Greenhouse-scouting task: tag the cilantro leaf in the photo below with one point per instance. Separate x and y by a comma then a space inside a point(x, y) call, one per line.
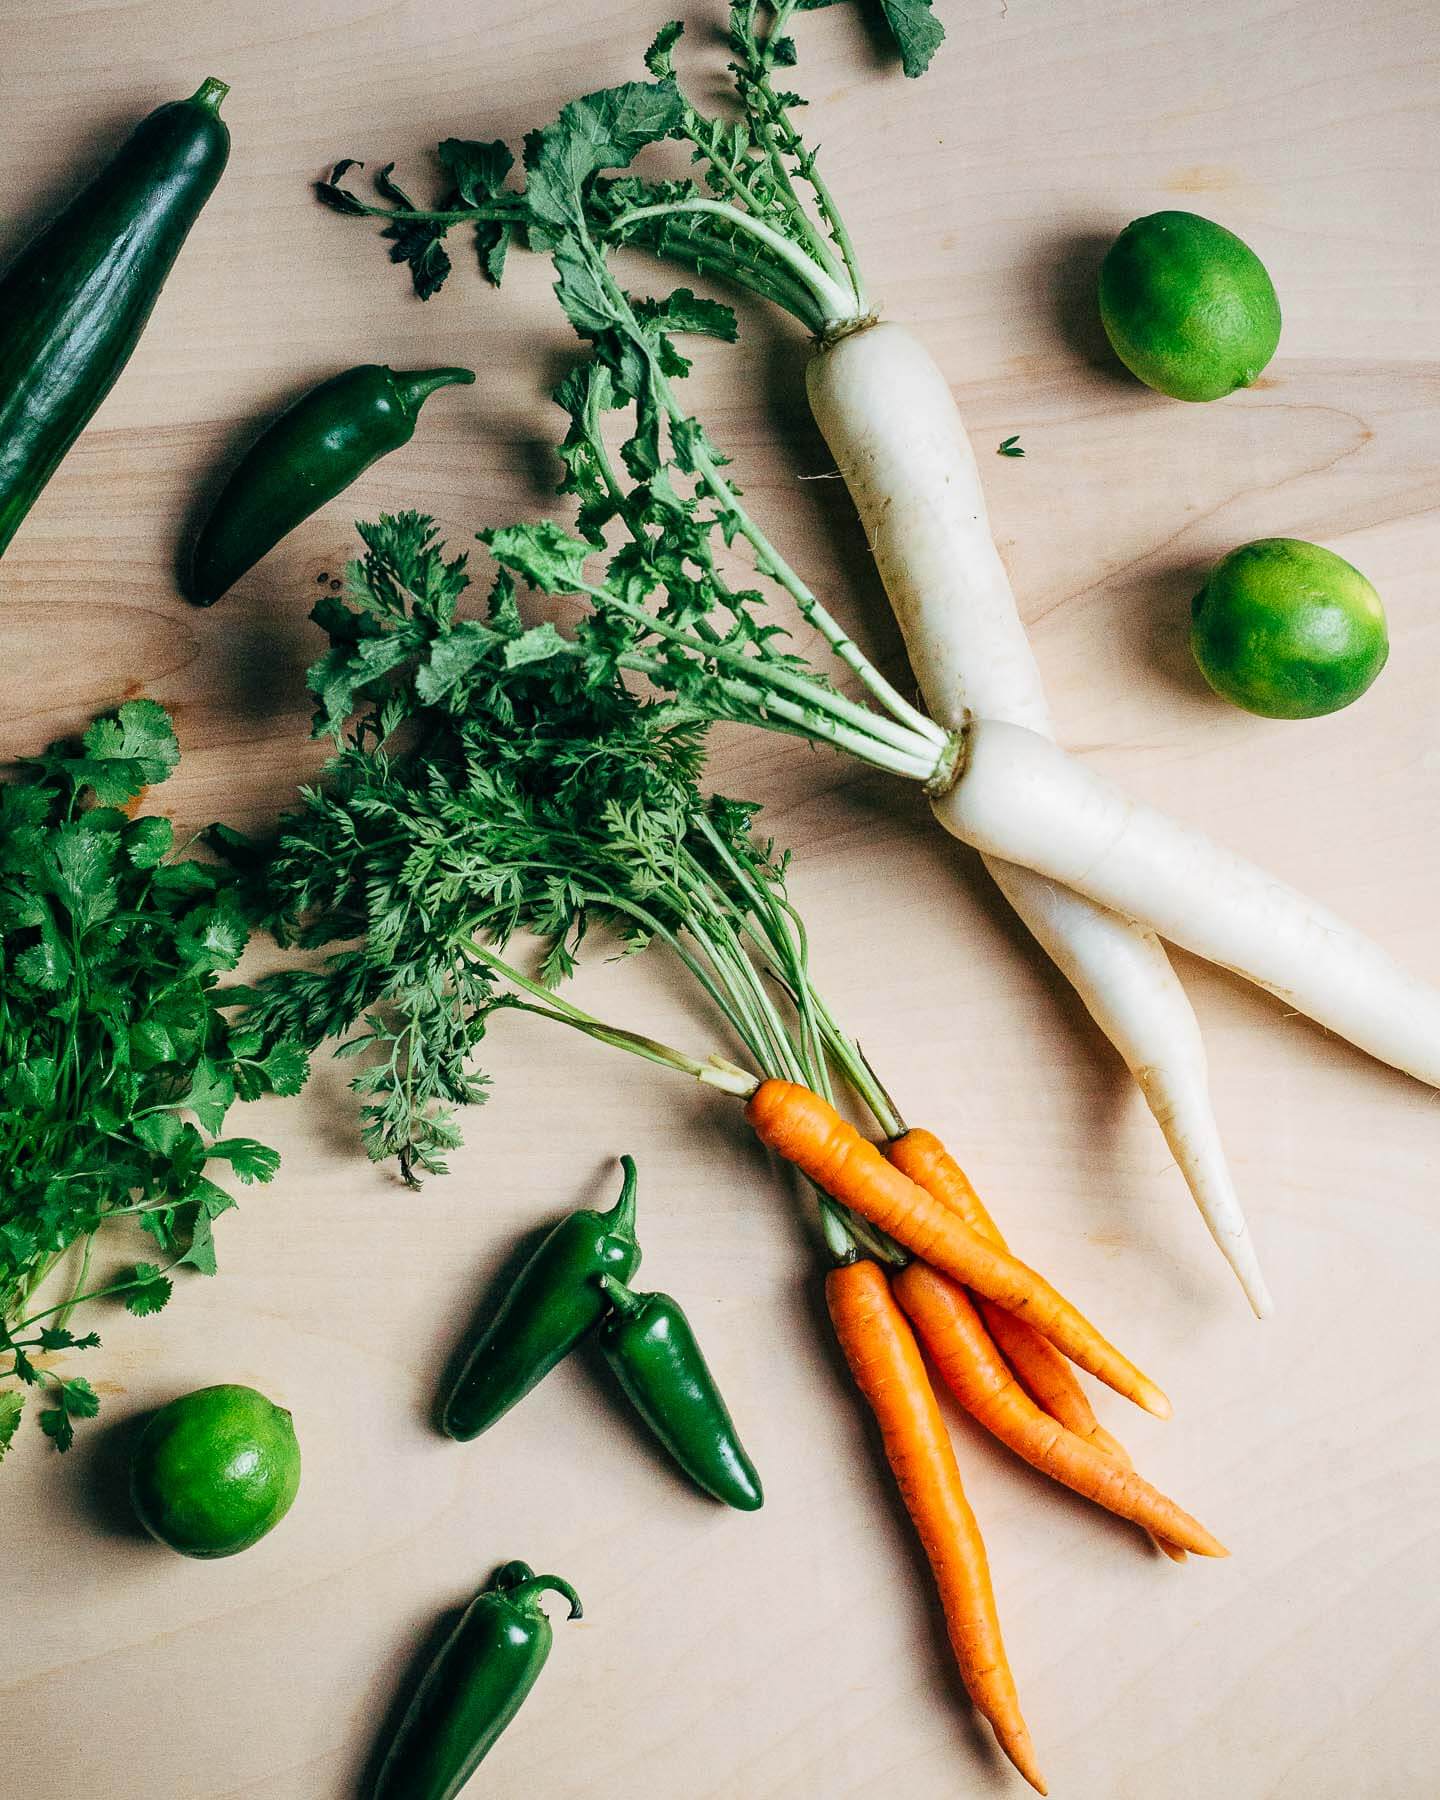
point(112, 1027)
point(125, 754)
point(200, 1252)
point(12, 1406)
point(212, 937)
point(209, 1094)
point(250, 1161)
point(149, 841)
point(81, 1400)
point(76, 1400)
point(150, 1292)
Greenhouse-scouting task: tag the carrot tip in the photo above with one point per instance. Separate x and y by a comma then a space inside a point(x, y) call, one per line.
point(1154, 1402)
point(1021, 1752)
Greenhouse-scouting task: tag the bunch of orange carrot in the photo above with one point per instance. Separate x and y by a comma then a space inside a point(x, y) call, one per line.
point(1004, 1348)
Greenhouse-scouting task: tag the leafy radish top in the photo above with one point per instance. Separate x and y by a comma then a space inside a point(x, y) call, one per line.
point(671, 609)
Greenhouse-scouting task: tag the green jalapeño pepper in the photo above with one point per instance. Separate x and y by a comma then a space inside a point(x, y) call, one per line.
point(556, 1299)
point(650, 1345)
point(313, 452)
point(474, 1688)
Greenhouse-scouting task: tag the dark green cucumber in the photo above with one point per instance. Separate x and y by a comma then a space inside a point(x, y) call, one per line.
point(76, 300)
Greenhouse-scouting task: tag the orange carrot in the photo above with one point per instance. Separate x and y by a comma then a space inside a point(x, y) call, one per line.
point(976, 1373)
point(1050, 1382)
point(920, 1155)
point(1039, 1367)
point(808, 1132)
point(885, 1361)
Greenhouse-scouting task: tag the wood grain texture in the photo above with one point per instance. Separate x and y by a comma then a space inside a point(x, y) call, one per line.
point(796, 1654)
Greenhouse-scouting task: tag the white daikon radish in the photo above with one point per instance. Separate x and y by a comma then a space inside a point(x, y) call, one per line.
point(1022, 798)
point(890, 421)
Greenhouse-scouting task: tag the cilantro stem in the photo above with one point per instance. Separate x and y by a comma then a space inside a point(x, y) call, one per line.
point(80, 1279)
point(100, 1293)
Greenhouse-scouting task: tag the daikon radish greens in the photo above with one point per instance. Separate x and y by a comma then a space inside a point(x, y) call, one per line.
point(682, 578)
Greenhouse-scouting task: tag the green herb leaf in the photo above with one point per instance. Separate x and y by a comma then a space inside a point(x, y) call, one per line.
point(12, 1406)
point(125, 754)
point(209, 1094)
point(151, 1290)
point(542, 554)
point(200, 1253)
point(111, 1027)
point(606, 130)
point(76, 1400)
point(917, 32)
point(338, 198)
point(149, 841)
point(477, 171)
point(250, 1161)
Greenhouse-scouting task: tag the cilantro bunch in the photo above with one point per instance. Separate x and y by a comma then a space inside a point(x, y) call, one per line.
point(117, 1064)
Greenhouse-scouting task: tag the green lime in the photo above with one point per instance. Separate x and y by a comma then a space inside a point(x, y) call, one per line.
point(1288, 630)
point(1188, 307)
point(215, 1470)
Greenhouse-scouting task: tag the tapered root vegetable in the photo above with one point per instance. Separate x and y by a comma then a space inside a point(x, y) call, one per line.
point(1022, 798)
point(1044, 1374)
point(887, 413)
point(976, 1373)
point(807, 1131)
point(1050, 1382)
point(885, 1361)
point(1123, 975)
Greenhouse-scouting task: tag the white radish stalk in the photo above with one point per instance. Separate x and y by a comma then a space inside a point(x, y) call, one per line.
point(888, 416)
point(1021, 797)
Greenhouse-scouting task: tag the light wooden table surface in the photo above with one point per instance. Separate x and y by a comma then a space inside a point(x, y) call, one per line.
point(795, 1654)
